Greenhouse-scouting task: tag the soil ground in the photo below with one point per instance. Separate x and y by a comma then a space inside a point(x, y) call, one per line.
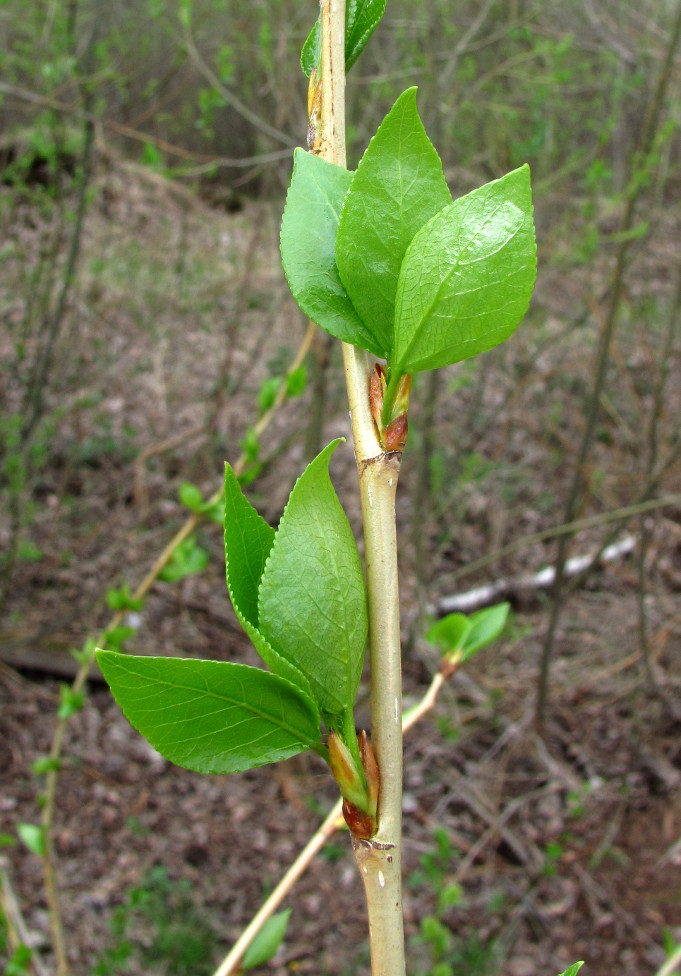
point(565, 846)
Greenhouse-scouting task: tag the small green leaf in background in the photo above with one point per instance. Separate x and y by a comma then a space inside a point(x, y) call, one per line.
point(308, 248)
point(312, 605)
point(122, 599)
point(86, 653)
point(33, 837)
point(190, 496)
point(467, 276)
point(296, 381)
point(215, 511)
point(45, 764)
point(264, 946)
point(211, 716)
point(115, 637)
point(573, 970)
point(187, 558)
point(465, 635)
point(70, 701)
point(399, 185)
point(486, 626)
point(6, 840)
point(268, 394)
point(20, 962)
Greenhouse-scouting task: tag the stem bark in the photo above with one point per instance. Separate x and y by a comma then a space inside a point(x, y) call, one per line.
point(378, 859)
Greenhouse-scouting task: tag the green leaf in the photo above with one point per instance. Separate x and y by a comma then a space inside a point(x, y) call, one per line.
point(248, 543)
point(312, 50)
point(485, 626)
point(70, 701)
point(45, 764)
point(312, 605)
point(468, 634)
point(187, 558)
point(211, 716)
point(190, 496)
point(6, 840)
point(33, 837)
point(296, 381)
point(268, 394)
point(361, 19)
point(264, 946)
point(573, 970)
point(308, 246)
point(467, 277)
point(19, 962)
point(122, 599)
point(399, 185)
point(449, 633)
point(116, 637)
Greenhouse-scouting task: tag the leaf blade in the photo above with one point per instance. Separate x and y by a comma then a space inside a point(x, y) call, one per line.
point(248, 542)
point(399, 185)
point(312, 599)
point(467, 276)
point(211, 716)
point(308, 247)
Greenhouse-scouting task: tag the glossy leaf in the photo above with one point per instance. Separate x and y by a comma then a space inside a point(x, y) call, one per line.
point(467, 276)
point(573, 970)
point(312, 601)
point(265, 944)
point(248, 542)
point(211, 716)
point(361, 19)
point(399, 185)
point(308, 247)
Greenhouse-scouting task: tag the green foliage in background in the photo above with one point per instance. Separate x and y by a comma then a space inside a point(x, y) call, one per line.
point(159, 923)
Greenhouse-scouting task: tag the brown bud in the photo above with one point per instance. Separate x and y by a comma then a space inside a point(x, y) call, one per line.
point(370, 771)
point(395, 434)
point(362, 825)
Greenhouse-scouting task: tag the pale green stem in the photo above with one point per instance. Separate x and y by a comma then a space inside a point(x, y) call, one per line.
point(379, 859)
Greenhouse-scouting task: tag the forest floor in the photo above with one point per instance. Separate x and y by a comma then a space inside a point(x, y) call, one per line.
point(565, 846)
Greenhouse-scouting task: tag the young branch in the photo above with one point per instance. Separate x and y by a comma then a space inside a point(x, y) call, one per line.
point(334, 821)
point(378, 859)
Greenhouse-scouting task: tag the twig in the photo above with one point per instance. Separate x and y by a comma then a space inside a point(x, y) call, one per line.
point(543, 578)
point(567, 528)
point(17, 930)
point(334, 821)
point(671, 964)
point(577, 486)
point(52, 778)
